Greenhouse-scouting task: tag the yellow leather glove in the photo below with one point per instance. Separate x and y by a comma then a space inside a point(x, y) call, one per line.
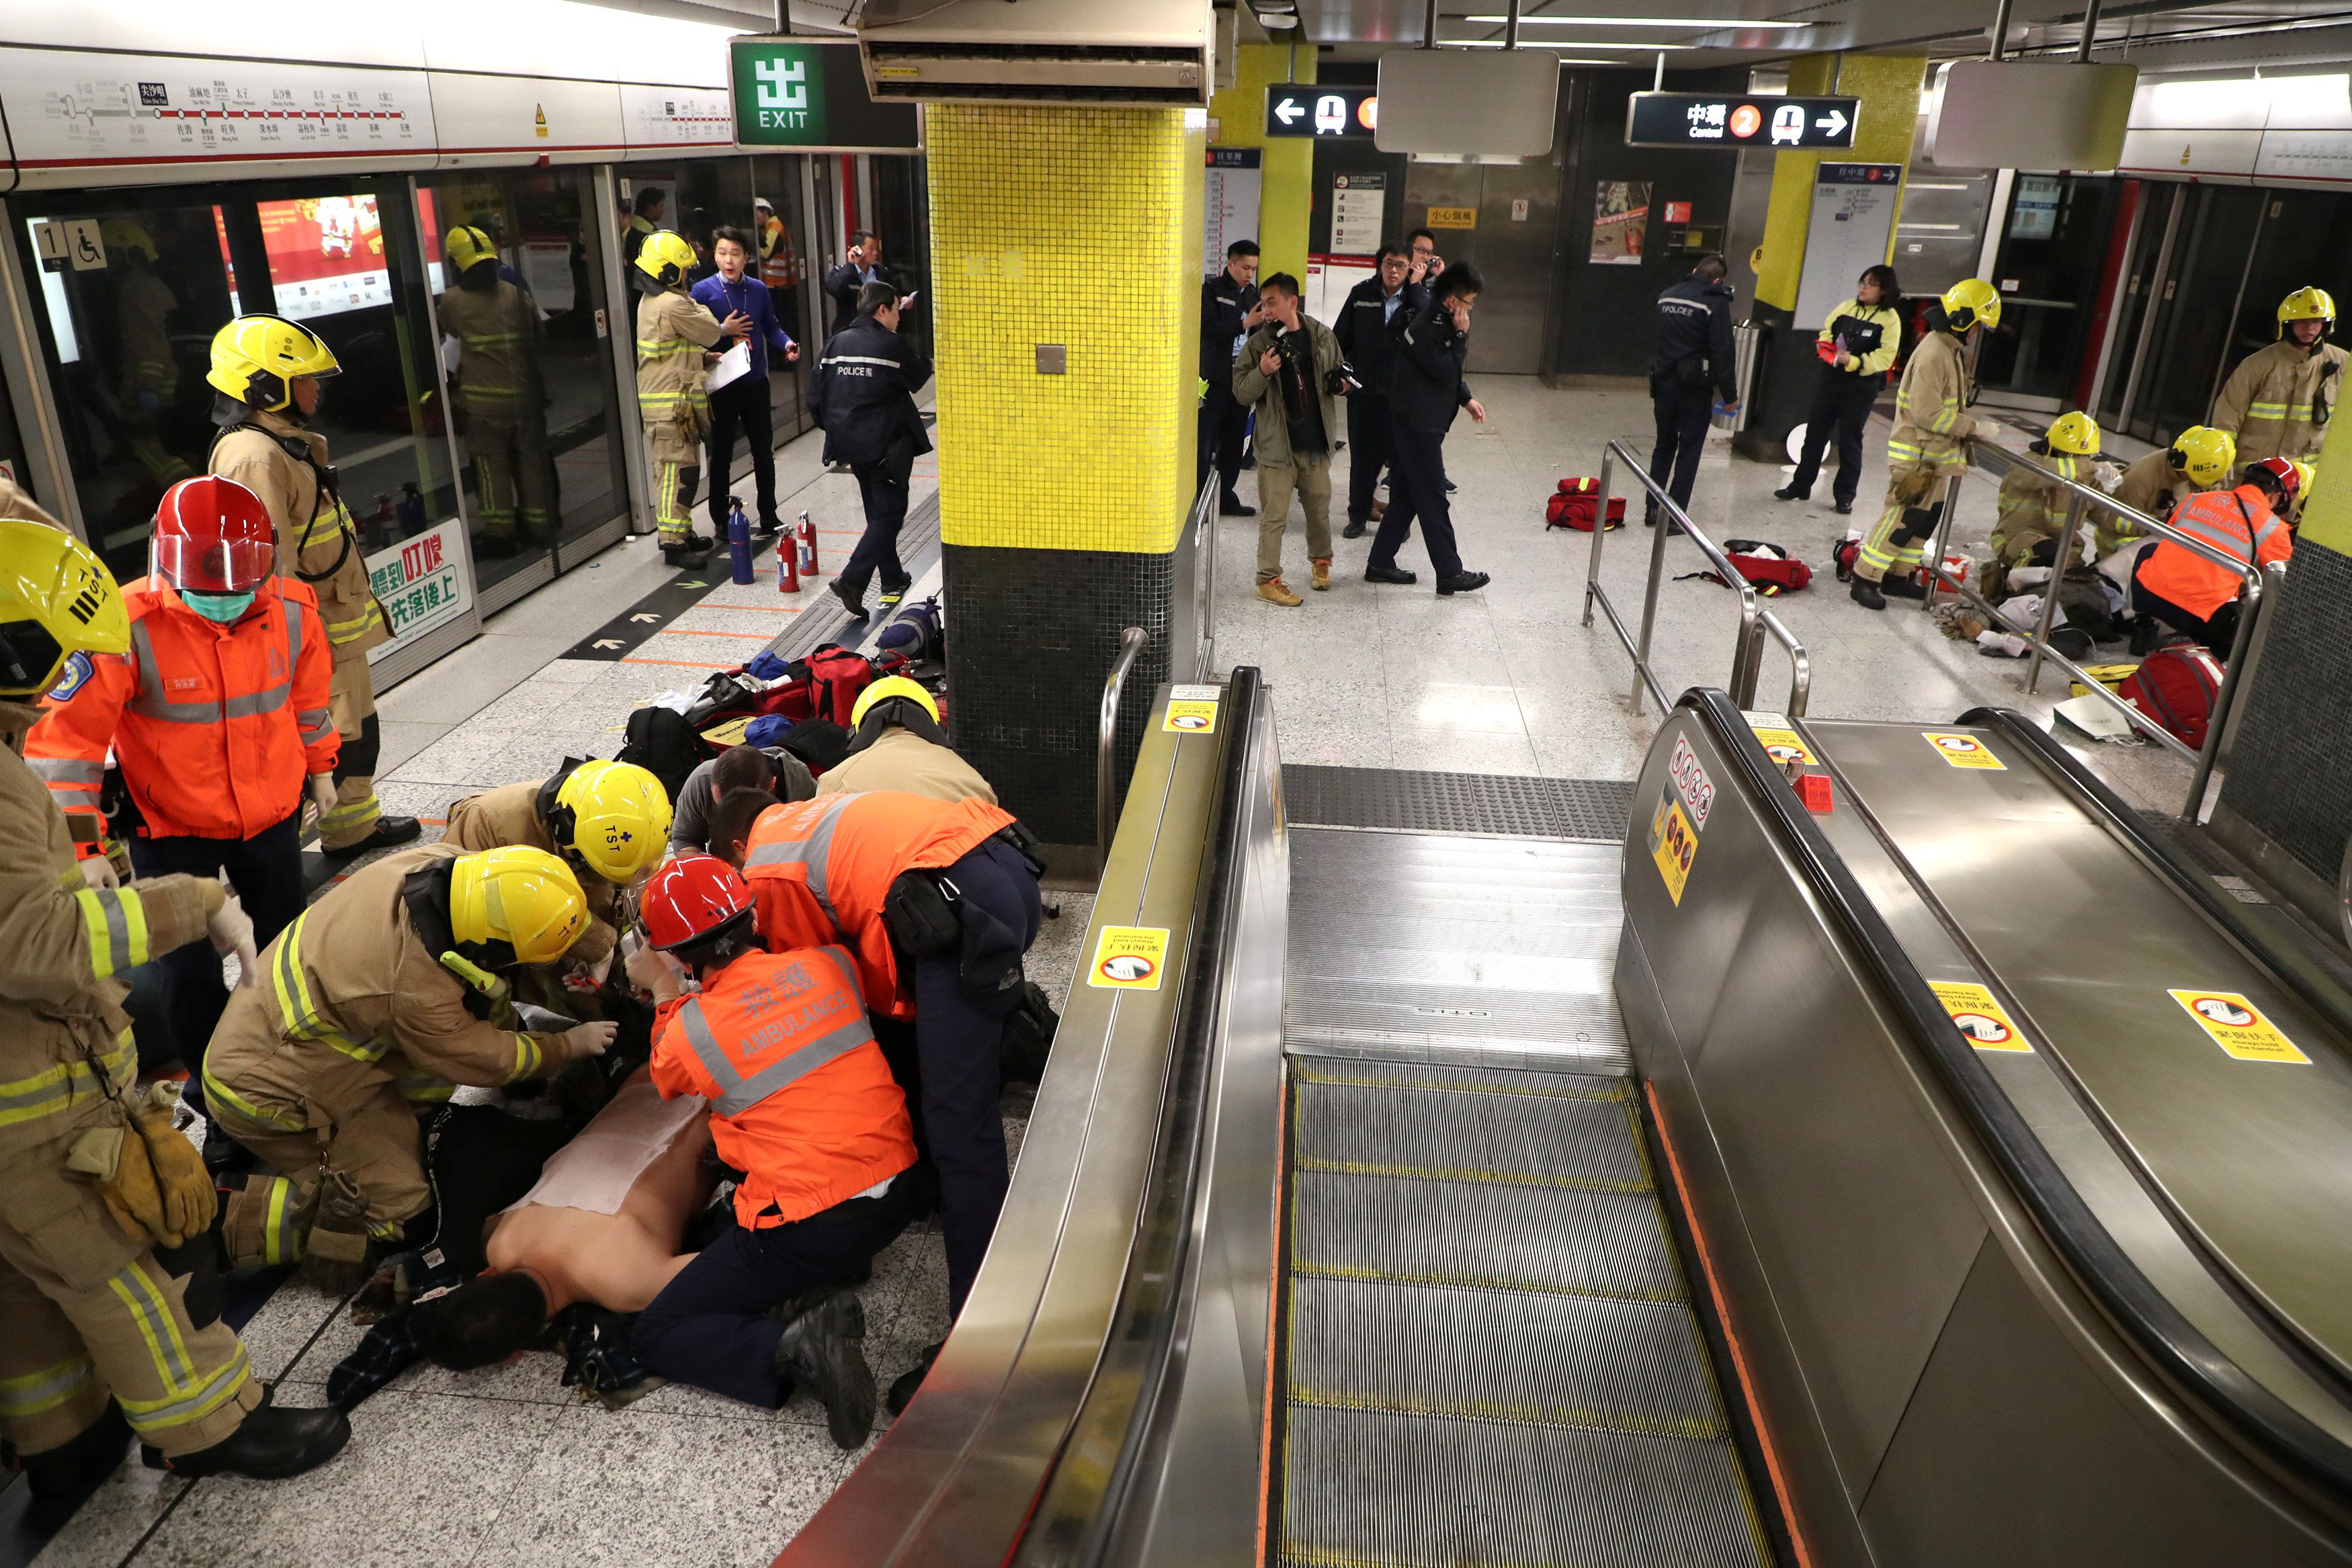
point(184, 1188)
point(130, 1194)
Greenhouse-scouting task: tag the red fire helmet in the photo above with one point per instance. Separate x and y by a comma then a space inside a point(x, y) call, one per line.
point(214, 535)
point(691, 898)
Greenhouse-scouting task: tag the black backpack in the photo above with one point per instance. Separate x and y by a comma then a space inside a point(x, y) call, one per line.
point(660, 741)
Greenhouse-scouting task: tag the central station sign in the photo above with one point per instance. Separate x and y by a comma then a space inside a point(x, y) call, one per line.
point(1713, 119)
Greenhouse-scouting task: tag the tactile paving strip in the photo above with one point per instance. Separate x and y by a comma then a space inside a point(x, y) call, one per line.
point(1498, 805)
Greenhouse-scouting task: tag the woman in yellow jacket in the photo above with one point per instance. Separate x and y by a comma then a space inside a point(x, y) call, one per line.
point(1858, 345)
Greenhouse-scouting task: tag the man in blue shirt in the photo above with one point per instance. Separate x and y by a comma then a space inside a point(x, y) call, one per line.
point(743, 403)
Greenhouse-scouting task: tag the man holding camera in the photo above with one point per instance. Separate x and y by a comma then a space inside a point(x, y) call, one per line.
point(1291, 370)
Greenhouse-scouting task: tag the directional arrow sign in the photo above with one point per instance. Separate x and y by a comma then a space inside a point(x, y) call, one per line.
point(690, 585)
point(610, 643)
point(1834, 121)
point(1733, 120)
point(1325, 113)
point(1289, 110)
point(642, 616)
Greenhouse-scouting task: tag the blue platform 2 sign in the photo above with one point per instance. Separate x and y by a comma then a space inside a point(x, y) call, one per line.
point(1731, 119)
point(1325, 113)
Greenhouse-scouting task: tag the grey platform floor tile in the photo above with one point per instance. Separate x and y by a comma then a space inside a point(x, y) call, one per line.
point(424, 1475)
point(400, 740)
point(106, 1528)
point(686, 1492)
point(294, 1316)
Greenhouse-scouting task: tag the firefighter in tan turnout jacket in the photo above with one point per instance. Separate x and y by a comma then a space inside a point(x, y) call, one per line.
point(1928, 445)
point(109, 1316)
point(385, 995)
point(675, 336)
point(266, 371)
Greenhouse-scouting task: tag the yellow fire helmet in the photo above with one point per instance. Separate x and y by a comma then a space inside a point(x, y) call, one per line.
point(2077, 432)
point(614, 816)
point(467, 247)
point(667, 258)
point(1971, 302)
point(2307, 475)
point(56, 600)
point(2204, 454)
point(887, 688)
point(257, 357)
point(523, 897)
point(128, 235)
point(2308, 305)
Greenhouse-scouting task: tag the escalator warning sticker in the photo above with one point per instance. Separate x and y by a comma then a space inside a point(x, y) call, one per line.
point(1129, 958)
point(1979, 1017)
point(1191, 710)
point(1674, 844)
point(1964, 750)
point(2238, 1026)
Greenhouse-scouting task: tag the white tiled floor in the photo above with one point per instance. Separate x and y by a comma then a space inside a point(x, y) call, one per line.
point(1508, 681)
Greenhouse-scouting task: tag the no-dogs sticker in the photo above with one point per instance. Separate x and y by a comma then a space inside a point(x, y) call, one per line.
point(2238, 1027)
point(1978, 1017)
point(1129, 958)
point(1963, 750)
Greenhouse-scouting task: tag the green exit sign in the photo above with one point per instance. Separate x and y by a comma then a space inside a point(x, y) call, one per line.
point(810, 95)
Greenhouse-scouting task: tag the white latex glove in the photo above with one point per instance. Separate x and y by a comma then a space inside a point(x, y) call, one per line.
point(650, 970)
point(321, 793)
point(98, 872)
point(1986, 430)
point(588, 1038)
point(231, 930)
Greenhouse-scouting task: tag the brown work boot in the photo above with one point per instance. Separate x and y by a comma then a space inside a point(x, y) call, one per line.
point(1273, 590)
point(1322, 575)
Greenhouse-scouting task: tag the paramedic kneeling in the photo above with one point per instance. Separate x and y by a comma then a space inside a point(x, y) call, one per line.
point(2197, 597)
point(804, 1106)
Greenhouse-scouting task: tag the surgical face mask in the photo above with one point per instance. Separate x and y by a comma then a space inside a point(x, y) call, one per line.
point(221, 609)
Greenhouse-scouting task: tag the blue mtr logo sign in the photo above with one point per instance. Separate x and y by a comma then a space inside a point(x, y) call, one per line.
point(779, 95)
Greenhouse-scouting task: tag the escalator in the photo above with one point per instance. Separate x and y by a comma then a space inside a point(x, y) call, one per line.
point(1931, 1164)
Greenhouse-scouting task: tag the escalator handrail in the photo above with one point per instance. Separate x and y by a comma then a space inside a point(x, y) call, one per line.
point(2291, 955)
point(2176, 1346)
point(1074, 1519)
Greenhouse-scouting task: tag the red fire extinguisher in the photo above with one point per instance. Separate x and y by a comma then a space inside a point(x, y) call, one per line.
point(806, 537)
point(788, 566)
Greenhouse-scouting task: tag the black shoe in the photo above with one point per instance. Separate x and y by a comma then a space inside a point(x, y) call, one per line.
point(692, 552)
point(1904, 587)
point(1353, 531)
point(77, 1465)
point(1463, 582)
point(495, 546)
point(1649, 517)
point(1865, 593)
point(1790, 493)
point(1844, 509)
point(767, 527)
point(2144, 633)
point(820, 1352)
point(893, 594)
point(903, 1386)
point(1450, 487)
point(1390, 574)
point(389, 830)
point(268, 1445)
point(1233, 507)
point(850, 597)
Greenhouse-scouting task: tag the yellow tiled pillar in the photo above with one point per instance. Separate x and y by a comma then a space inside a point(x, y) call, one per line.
point(1286, 166)
point(1066, 267)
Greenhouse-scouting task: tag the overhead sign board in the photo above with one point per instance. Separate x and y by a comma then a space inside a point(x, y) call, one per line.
point(1328, 113)
point(802, 94)
point(1716, 119)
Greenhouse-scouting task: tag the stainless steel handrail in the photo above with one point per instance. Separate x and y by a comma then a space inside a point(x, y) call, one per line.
point(1203, 520)
point(1755, 621)
point(1131, 644)
point(2260, 584)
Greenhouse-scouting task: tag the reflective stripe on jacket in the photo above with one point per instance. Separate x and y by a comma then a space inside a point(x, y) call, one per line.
point(2278, 400)
point(498, 365)
point(802, 1101)
point(317, 541)
point(2236, 521)
point(1932, 424)
point(672, 332)
point(2031, 504)
point(821, 869)
point(214, 727)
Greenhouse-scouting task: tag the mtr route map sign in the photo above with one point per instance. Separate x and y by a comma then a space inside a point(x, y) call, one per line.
point(1718, 119)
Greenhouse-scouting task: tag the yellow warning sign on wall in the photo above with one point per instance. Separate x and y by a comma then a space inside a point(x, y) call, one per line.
point(1129, 958)
point(1191, 710)
point(2238, 1026)
point(1454, 217)
point(1674, 844)
point(1963, 750)
point(1979, 1017)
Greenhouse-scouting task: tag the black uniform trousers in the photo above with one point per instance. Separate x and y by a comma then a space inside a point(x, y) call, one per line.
point(1682, 413)
point(266, 872)
point(742, 405)
point(1417, 491)
point(1367, 451)
point(2219, 634)
point(1224, 427)
point(883, 484)
point(1841, 407)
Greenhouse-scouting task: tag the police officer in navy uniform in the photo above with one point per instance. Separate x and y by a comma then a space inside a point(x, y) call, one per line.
point(1693, 368)
point(864, 397)
point(1229, 312)
point(1363, 327)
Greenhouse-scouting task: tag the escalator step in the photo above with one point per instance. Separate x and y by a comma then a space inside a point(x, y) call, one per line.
point(1368, 1486)
point(1509, 1355)
point(1555, 1130)
point(1403, 1019)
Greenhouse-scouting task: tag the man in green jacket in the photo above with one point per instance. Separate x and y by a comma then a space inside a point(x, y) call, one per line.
point(1284, 371)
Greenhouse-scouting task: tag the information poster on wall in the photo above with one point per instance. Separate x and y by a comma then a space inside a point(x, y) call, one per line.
point(423, 582)
point(1359, 212)
point(1229, 212)
point(326, 254)
point(1621, 218)
point(1853, 222)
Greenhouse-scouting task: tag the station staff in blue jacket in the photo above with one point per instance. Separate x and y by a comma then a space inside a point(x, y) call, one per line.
point(742, 404)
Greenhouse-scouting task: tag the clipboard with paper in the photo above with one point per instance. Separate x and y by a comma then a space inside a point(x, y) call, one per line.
point(732, 366)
